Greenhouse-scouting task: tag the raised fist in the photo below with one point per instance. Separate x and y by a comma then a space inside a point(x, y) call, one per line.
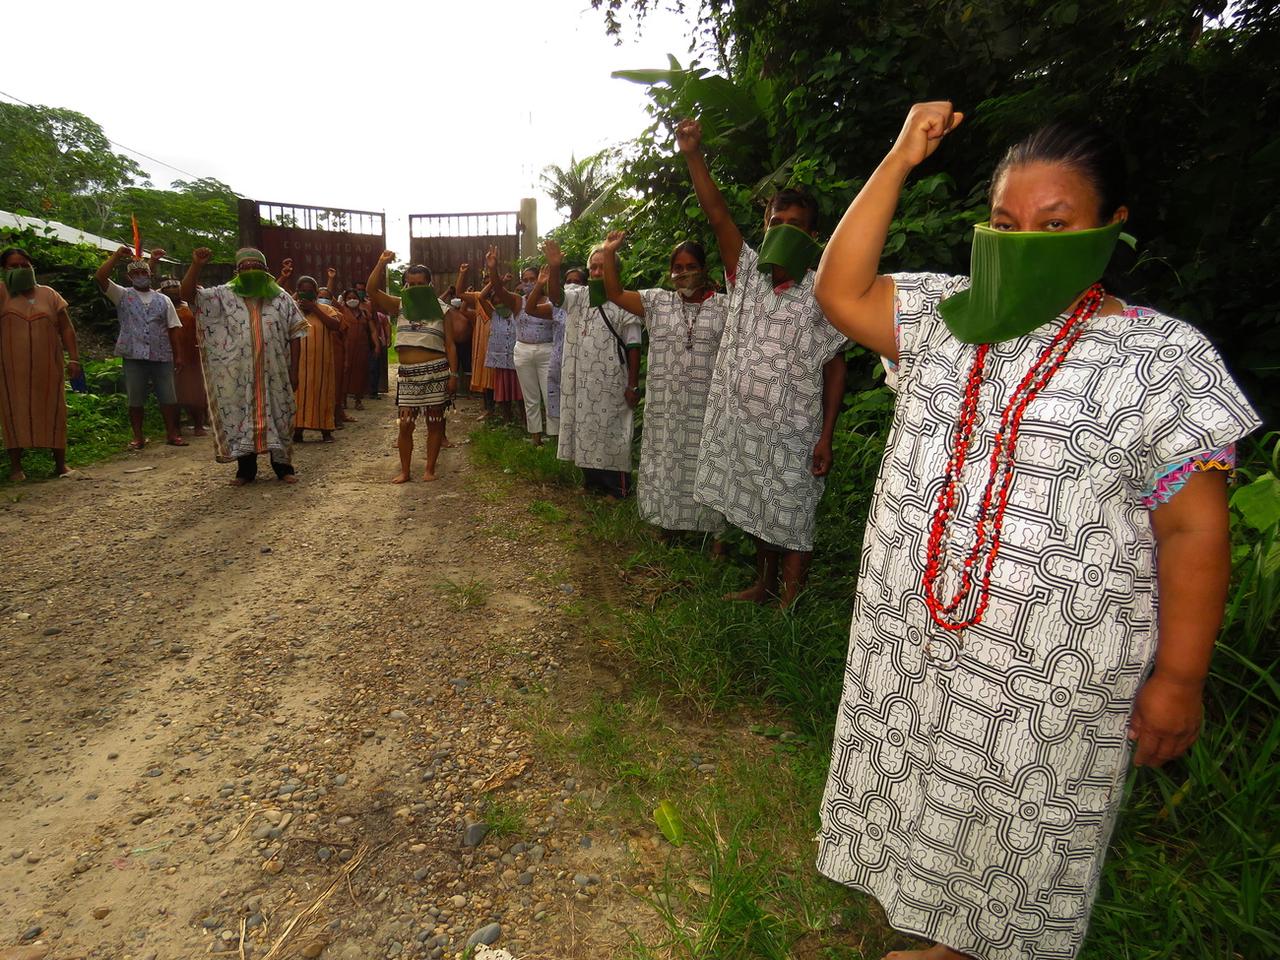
point(689, 136)
point(157, 254)
point(614, 240)
point(923, 130)
point(201, 255)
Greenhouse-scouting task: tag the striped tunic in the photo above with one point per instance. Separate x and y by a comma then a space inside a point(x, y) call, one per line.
point(33, 403)
point(317, 377)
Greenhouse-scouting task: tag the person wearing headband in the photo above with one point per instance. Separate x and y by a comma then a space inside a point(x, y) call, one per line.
point(148, 342)
point(427, 375)
point(1046, 558)
point(599, 375)
point(316, 393)
point(685, 325)
point(251, 332)
point(188, 374)
point(776, 388)
point(35, 331)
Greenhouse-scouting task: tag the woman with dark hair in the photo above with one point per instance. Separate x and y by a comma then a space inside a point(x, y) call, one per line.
point(685, 325)
point(499, 354)
point(427, 377)
point(1046, 557)
point(361, 341)
point(35, 329)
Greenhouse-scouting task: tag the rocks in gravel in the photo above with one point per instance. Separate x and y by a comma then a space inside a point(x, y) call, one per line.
point(475, 834)
point(485, 935)
point(31, 933)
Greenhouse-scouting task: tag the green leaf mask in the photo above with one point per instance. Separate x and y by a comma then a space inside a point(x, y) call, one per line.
point(596, 289)
point(254, 283)
point(420, 304)
point(1021, 281)
point(20, 279)
point(790, 249)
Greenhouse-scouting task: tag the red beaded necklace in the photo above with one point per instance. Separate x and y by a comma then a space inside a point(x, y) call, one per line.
point(996, 493)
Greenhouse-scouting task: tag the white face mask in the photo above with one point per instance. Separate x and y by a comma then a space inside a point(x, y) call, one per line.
point(353, 304)
point(141, 282)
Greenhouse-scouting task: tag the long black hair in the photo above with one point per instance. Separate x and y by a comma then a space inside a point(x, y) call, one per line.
point(1085, 148)
point(10, 251)
point(691, 247)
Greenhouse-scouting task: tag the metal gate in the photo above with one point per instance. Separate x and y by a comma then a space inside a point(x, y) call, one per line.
point(442, 241)
point(315, 238)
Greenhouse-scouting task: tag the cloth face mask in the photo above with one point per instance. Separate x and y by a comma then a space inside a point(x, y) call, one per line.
point(254, 283)
point(596, 288)
point(141, 282)
point(20, 279)
point(790, 249)
point(420, 304)
point(691, 281)
point(1021, 280)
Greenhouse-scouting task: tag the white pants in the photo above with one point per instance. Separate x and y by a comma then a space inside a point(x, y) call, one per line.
point(533, 361)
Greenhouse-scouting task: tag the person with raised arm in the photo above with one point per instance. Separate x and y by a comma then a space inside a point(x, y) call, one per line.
point(776, 389)
point(188, 367)
point(1046, 557)
point(35, 331)
point(535, 341)
point(499, 354)
point(481, 307)
point(360, 342)
point(317, 383)
point(148, 342)
point(685, 325)
point(600, 377)
point(251, 331)
point(427, 375)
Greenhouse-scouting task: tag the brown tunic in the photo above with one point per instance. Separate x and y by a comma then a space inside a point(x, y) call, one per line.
point(189, 381)
point(358, 354)
point(340, 363)
point(481, 376)
point(33, 400)
point(316, 381)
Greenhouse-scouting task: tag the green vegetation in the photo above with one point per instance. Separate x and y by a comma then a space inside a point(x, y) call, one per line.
point(505, 817)
point(1191, 872)
point(466, 595)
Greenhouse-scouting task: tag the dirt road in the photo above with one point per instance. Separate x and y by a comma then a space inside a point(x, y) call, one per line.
point(225, 711)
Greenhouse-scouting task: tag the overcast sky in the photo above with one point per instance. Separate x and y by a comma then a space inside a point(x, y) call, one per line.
point(407, 107)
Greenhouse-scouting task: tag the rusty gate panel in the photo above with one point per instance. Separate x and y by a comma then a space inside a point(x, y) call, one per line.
point(315, 238)
point(442, 241)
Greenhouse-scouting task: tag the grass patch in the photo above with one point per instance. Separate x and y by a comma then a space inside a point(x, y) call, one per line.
point(505, 817)
point(466, 595)
point(547, 511)
point(503, 447)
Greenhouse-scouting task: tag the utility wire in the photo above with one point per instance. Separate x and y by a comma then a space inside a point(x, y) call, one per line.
point(118, 146)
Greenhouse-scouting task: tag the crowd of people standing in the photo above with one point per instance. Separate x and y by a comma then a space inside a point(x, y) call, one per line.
point(1046, 558)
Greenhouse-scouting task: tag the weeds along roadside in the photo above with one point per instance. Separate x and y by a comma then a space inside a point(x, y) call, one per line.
point(1192, 869)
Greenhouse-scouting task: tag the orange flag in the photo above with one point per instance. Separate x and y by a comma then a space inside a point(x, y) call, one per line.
point(137, 238)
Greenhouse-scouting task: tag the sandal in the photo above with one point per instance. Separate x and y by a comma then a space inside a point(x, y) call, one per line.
point(137, 444)
point(177, 442)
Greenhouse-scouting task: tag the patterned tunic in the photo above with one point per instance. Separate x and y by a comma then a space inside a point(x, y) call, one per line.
point(595, 421)
point(246, 370)
point(146, 317)
point(764, 412)
point(500, 351)
point(975, 777)
point(683, 341)
point(555, 367)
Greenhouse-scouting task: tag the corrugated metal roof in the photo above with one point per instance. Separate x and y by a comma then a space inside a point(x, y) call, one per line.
point(59, 231)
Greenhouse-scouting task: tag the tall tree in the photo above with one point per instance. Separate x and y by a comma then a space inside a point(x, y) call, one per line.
point(59, 164)
point(573, 188)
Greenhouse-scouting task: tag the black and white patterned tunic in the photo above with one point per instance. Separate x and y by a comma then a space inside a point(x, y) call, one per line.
point(683, 341)
point(764, 412)
point(595, 421)
point(975, 777)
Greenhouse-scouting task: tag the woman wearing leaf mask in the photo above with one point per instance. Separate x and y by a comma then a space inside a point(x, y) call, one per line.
point(685, 326)
point(35, 330)
point(1057, 460)
point(427, 377)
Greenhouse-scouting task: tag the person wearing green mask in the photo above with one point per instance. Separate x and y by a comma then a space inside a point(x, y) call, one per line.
point(776, 387)
point(427, 377)
point(1046, 558)
point(35, 331)
point(251, 331)
point(599, 375)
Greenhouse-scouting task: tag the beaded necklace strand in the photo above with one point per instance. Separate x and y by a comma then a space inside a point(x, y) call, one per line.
point(990, 521)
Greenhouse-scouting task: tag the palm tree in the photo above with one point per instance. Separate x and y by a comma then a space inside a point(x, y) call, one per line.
point(575, 187)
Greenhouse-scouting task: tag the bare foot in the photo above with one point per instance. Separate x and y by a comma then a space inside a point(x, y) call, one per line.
point(239, 482)
point(290, 478)
point(756, 593)
point(401, 478)
point(446, 444)
point(428, 476)
point(347, 418)
point(936, 952)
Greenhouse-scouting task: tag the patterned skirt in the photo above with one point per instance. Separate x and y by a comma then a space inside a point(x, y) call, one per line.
point(423, 384)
